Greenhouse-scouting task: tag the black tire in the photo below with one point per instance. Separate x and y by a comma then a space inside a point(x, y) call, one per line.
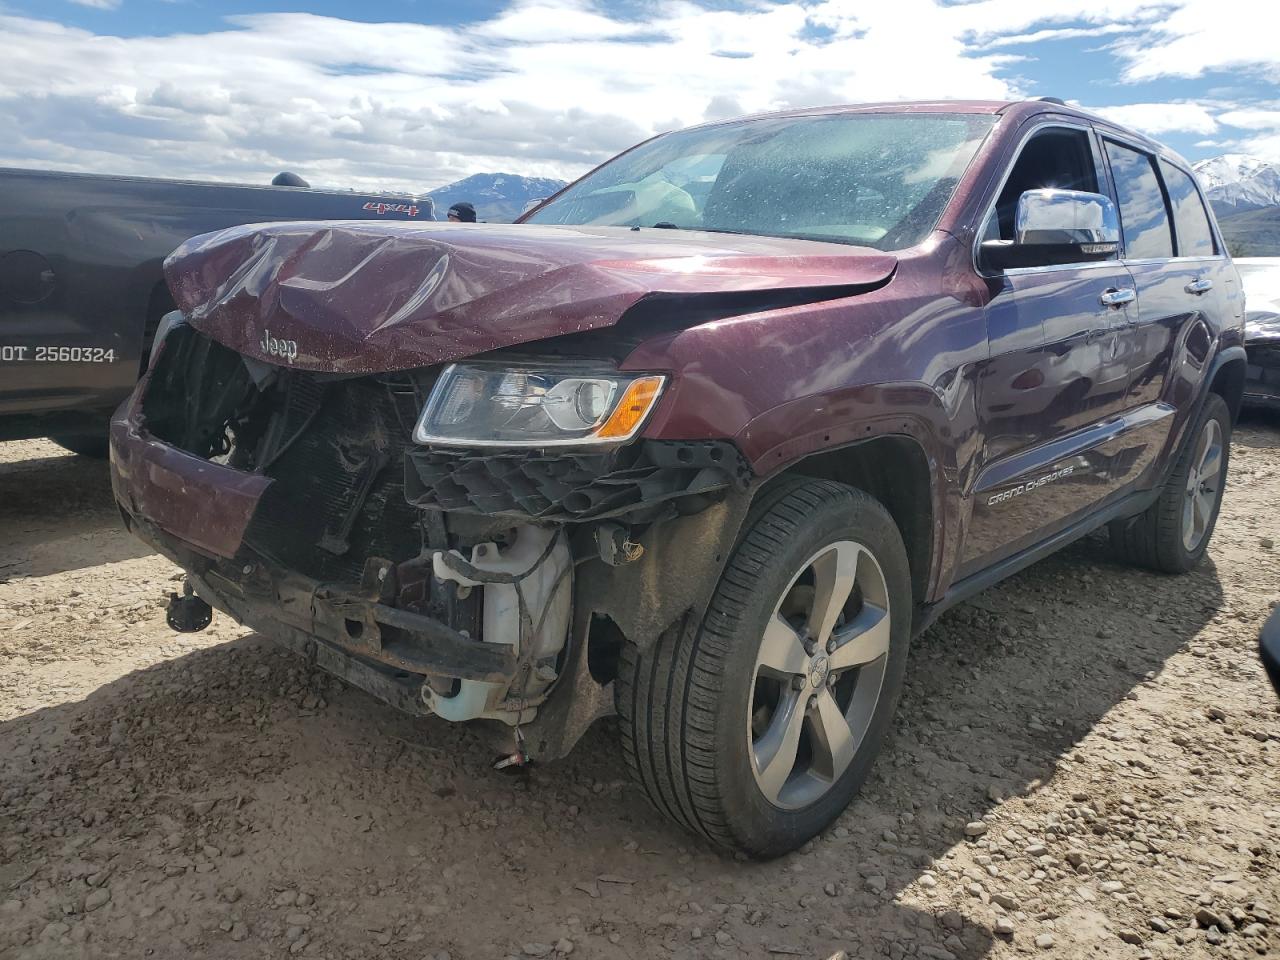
point(87, 445)
point(686, 703)
point(1155, 538)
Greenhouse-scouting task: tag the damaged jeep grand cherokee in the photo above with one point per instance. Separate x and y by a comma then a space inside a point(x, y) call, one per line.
point(704, 440)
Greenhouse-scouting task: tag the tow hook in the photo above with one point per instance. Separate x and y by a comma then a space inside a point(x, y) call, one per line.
point(517, 758)
point(188, 613)
point(512, 760)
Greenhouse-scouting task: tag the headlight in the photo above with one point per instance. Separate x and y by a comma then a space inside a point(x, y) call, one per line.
point(482, 406)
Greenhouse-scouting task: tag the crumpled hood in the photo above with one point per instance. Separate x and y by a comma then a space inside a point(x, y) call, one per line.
point(360, 297)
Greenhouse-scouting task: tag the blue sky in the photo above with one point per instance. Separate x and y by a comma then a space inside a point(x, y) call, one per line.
point(410, 94)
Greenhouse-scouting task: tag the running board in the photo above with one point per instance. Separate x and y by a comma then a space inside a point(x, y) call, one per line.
point(1127, 506)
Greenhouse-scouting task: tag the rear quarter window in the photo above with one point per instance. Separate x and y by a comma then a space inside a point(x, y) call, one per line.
point(1190, 221)
point(1143, 215)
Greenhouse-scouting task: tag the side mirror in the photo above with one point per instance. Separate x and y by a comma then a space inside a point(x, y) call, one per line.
point(1057, 227)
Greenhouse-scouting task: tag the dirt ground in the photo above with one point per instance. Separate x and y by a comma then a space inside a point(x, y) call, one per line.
point(1084, 764)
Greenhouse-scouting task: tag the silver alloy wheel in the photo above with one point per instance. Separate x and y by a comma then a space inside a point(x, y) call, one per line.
point(1204, 481)
point(818, 674)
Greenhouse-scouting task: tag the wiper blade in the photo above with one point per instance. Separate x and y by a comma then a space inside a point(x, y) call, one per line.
point(668, 225)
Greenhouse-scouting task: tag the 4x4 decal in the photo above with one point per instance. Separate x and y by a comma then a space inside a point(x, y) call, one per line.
point(409, 209)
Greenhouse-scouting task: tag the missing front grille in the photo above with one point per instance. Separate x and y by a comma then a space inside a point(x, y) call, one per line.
point(202, 400)
point(327, 443)
point(335, 499)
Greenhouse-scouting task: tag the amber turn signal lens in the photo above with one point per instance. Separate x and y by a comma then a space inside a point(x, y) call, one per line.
point(631, 409)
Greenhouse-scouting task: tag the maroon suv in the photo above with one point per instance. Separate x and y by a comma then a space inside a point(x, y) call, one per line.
point(704, 440)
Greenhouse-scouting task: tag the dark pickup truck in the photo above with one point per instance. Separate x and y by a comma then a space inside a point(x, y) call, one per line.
point(81, 293)
point(705, 439)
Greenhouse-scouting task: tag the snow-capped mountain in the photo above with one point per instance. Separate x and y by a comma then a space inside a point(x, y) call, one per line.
point(497, 197)
point(1236, 182)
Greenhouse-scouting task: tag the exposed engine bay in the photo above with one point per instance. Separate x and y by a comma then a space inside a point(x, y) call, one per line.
point(524, 586)
point(443, 581)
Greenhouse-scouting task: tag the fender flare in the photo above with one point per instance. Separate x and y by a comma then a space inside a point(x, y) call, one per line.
point(1224, 355)
point(868, 413)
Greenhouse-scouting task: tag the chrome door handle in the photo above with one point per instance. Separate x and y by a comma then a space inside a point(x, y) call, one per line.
point(1199, 286)
point(1117, 298)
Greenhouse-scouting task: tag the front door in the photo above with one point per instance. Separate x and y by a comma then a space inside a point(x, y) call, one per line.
point(1053, 388)
point(1050, 398)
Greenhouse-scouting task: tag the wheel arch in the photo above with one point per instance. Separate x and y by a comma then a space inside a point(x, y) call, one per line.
point(1226, 378)
point(897, 471)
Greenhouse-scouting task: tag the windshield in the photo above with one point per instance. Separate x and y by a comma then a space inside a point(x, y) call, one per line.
point(880, 180)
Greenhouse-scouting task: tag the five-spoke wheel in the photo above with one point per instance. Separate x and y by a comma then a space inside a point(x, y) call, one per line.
point(818, 674)
point(756, 727)
point(1172, 534)
point(1204, 484)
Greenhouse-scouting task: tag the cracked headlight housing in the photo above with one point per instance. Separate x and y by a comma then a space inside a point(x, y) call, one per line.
point(475, 405)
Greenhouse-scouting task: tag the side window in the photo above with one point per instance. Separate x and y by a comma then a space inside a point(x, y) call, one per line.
point(1057, 157)
point(1143, 216)
point(1190, 222)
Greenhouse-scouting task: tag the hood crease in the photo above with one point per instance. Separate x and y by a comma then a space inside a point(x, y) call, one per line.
point(359, 297)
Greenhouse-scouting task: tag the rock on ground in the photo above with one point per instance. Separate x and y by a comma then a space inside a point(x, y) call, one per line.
point(209, 795)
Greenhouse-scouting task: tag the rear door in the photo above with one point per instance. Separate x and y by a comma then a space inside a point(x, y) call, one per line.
point(1181, 277)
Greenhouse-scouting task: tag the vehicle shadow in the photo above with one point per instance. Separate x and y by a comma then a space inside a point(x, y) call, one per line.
point(404, 824)
point(41, 500)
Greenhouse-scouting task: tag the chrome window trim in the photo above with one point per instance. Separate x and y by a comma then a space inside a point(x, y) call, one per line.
point(1104, 133)
point(1153, 157)
point(1214, 259)
point(1056, 267)
point(1036, 128)
point(1162, 154)
point(1219, 244)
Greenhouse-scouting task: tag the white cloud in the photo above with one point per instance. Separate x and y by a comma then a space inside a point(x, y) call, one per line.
point(1157, 118)
point(98, 4)
point(546, 87)
point(549, 87)
point(1266, 145)
point(1251, 119)
point(1062, 33)
point(1198, 36)
point(540, 21)
point(995, 19)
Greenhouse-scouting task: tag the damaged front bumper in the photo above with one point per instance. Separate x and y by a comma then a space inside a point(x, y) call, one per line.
point(463, 584)
point(348, 631)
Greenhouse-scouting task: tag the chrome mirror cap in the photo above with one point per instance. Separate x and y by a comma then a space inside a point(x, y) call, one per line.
point(1073, 217)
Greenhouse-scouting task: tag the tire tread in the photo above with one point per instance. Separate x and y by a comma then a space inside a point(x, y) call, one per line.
point(669, 729)
point(1153, 539)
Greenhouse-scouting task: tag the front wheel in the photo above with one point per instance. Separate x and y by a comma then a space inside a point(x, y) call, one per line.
point(757, 727)
point(1173, 533)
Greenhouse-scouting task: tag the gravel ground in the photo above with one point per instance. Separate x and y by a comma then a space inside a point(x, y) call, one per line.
point(1083, 765)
